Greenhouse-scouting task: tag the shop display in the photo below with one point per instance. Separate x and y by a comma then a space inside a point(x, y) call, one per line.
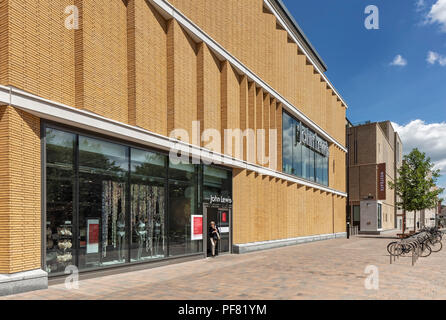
point(113, 218)
point(59, 248)
point(148, 216)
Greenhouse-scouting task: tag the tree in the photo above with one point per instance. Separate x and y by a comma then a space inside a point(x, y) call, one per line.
point(416, 185)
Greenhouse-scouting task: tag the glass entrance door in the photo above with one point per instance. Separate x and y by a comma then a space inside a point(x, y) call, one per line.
point(222, 217)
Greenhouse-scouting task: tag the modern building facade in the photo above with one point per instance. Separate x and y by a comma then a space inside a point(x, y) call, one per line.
point(375, 154)
point(95, 97)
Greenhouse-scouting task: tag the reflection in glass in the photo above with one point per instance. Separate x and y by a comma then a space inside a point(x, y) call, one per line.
point(148, 240)
point(299, 159)
point(103, 174)
point(218, 182)
point(287, 143)
point(59, 201)
point(182, 205)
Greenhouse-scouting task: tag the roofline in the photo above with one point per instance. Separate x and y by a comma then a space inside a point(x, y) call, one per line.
point(301, 34)
point(290, 25)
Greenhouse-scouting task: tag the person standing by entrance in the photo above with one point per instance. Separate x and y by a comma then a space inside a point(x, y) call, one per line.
point(214, 237)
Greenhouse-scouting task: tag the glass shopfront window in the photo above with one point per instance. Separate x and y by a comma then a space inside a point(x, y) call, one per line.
point(305, 154)
point(103, 210)
point(148, 209)
point(287, 144)
point(60, 185)
point(183, 204)
point(108, 204)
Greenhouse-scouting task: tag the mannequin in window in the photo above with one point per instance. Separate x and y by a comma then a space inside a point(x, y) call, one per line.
point(121, 232)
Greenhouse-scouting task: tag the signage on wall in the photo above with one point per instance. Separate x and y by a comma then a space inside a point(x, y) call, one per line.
point(220, 200)
point(382, 181)
point(197, 228)
point(93, 236)
point(305, 136)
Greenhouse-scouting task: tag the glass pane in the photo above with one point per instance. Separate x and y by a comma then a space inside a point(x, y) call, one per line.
point(103, 181)
point(287, 143)
point(148, 203)
point(311, 166)
point(182, 205)
point(297, 151)
point(356, 213)
point(217, 189)
point(380, 216)
point(60, 180)
point(217, 182)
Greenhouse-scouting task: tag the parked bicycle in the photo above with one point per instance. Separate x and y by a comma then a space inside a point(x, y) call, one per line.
point(421, 244)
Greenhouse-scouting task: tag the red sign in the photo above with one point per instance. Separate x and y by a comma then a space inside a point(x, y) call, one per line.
point(382, 181)
point(224, 217)
point(93, 234)
point(197, 228)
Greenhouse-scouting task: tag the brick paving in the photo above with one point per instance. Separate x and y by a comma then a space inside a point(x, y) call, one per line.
point(321, 270)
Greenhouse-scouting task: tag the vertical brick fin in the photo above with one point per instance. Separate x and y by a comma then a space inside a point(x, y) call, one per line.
point(147, 67)
point(20, 196)
point(224, 102)
point(200, 88)
point(131, 61)
point(79, 57)
point(252, 118)
point(266, 122)
point(244, 111)
point(210, 97)
point(4, 41)
point(105, 58)
point(170, 76)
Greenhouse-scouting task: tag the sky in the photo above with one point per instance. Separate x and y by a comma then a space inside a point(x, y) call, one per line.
point(396, 72)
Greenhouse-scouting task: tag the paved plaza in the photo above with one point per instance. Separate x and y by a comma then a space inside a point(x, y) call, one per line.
point(332, 269)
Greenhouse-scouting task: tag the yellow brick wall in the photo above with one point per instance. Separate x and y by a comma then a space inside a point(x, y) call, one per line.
point(210, 103)
point(20, 191)
point(266, 208)
point(104, 55)
point(129, 64)
point(40, 49)
point(147, 61)
point(252, 36)
point(182, 69)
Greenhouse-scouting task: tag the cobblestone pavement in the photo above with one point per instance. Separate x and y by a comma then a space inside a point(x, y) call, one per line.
point(332, 269)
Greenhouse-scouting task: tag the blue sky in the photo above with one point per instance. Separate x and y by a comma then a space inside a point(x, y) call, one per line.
point(411, 92)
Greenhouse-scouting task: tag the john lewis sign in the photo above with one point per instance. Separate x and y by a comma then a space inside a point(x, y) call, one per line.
point(311, 140)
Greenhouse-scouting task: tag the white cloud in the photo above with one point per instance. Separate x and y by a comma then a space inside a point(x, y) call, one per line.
point(399, 61)
point(437, 14)
point(434, 57)
point(428, 138)
point(420, 5)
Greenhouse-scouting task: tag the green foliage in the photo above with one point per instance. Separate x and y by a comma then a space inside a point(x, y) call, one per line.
point(416, 185)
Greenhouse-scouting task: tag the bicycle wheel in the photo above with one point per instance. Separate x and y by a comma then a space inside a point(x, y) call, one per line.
point(394, 249)
point(435, 246)
point(426, 251)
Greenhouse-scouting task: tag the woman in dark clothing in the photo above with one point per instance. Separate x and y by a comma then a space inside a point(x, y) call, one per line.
point(214, 236)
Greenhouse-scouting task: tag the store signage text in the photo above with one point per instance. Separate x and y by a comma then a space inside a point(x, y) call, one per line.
point(382, 181)
point(218, 199)
point(305, 136)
